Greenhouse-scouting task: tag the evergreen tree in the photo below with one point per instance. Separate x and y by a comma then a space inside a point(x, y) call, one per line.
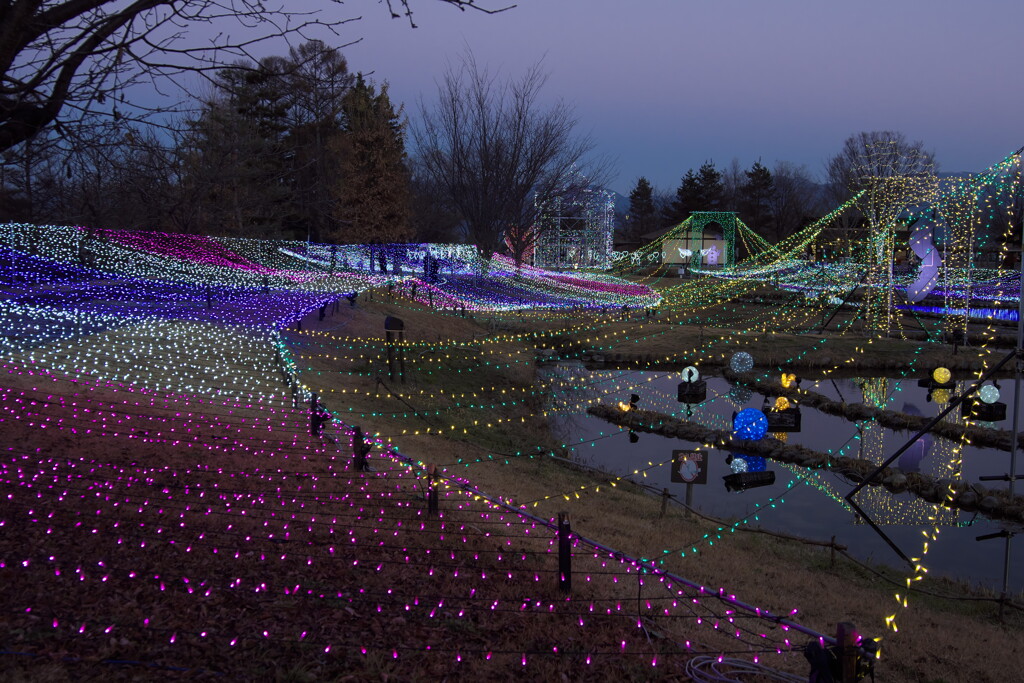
point(237, 155)
point(641, 208)
point(755, 200)
point(317, 79)
point(686, 201)
point(264, 148)
point(700, 191)
point(711, 189)
point(374, 192)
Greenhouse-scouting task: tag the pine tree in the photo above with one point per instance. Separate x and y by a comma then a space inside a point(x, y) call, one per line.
point(237, 154)
point(686, 201)
point(262, 147)
point(711, 188)
point(374, 192)
point(756, 194)
point(641, 208)
point(700, 191)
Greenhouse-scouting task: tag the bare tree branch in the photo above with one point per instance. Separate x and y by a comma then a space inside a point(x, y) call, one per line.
point(491, 147)
point(62, 61)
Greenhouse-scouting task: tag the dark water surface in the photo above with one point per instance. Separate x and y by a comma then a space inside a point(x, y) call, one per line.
point(802, 502)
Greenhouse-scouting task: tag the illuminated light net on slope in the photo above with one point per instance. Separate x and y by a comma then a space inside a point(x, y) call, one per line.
point(146, 512)
point(450, 279)
point(292, 268)
point(133, 341)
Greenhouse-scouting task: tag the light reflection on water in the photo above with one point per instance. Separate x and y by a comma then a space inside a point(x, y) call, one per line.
point(801, 502)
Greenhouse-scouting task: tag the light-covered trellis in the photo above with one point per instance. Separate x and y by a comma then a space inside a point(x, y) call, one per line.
point(706, 238)
point(575, 231)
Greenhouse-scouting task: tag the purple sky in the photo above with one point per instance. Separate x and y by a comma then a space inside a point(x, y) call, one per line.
point(664, 85)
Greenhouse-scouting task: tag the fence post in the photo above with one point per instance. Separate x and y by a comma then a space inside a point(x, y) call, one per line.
point(564, 554)
point(664, 502)
point(314, 416)
point(432, 490)
point(401, 355)
point(359, 449)
point(846, 644)
point(389, 343)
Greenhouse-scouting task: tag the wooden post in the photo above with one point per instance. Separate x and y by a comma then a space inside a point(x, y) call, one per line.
point(360, 449)
point(432, 490)
point(846, 649)
point(401, 355)
point(689, 498)
point(564, 554)
point(664, 502)
point(314, 422)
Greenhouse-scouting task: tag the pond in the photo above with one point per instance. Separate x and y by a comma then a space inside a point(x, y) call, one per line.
point(807, 503)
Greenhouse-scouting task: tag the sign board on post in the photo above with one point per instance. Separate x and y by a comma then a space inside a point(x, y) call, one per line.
point(689, 467)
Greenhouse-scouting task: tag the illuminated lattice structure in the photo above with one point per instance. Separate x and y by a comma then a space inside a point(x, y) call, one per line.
point(958, 207)
point(707, 238)
point(575, 231)
point(892, 181)
point(941, 457)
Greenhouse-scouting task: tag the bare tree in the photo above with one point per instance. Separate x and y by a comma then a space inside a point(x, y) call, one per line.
point(733, 178)
point(64, 60)
point(492, 148)
point(867, 155)
point(793, 202)
point(30, 175)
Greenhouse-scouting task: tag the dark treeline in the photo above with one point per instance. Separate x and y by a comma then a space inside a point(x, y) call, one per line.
point(774, 202)
point(298, 147)
point(292, 146)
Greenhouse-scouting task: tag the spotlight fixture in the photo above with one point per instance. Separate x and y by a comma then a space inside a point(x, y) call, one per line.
point(741, 481)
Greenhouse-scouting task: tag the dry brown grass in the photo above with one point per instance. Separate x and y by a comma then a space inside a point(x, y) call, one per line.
point(288, 483)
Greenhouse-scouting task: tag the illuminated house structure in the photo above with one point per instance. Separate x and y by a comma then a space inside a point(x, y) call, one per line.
point(706, 238)
point(574, 230)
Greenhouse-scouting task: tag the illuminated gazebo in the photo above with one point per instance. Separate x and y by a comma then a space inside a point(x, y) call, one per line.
point(706, 237)
point(574, 230)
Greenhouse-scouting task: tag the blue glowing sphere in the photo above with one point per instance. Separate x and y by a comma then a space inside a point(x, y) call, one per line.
point(750, 424)
point(755, 463)
point(741, 362)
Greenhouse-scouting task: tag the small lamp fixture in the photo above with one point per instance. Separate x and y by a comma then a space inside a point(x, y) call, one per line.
point(942, 375)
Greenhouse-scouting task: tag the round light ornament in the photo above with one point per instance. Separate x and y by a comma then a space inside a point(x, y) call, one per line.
point(942, 375)
point(940, 396)
point(750, 424)
point(741, 362)
point(781, 403)
point(690, 374)
point(988, 393)
point(739, 396)
point(738, 465)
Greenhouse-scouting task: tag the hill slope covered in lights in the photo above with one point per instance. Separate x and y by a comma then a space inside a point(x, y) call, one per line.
point(165, 508)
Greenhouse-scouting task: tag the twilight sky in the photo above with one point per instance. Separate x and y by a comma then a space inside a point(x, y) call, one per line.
point(664, 85)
